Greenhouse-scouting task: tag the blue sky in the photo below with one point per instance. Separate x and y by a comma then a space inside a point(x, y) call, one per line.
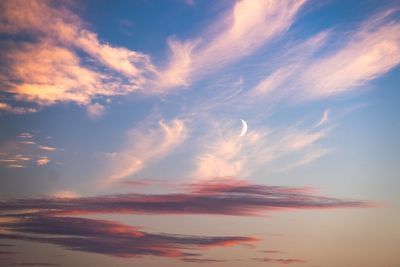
point(123, 121)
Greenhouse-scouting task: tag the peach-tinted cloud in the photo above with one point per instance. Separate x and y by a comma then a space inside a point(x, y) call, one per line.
point(238, 33)
point(24, 152)
point(64, 194)
point(155, 142)
point(42, 161)
point(48, 69)
point(16, 110)
point(51, 74)
point(47, 148)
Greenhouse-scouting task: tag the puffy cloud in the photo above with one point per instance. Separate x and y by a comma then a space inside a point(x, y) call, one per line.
point(95, 110)
point(48, 69)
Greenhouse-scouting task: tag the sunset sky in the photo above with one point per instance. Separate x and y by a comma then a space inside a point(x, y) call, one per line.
point(123, 139)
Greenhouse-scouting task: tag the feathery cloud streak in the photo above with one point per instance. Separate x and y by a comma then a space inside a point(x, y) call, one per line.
point(228, 154)
point(368, 52)
point(144, 145)
point(238, 33)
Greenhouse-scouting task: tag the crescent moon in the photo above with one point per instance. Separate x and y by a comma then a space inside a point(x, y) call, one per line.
point(244, 128)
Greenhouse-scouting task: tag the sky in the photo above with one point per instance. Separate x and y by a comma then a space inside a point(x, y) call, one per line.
point(199, 133)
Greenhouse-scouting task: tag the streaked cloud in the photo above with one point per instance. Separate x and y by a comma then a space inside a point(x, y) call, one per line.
point(155, 142)
point(24, 151)
point(281, 261)
point(236, 34)
point(111, 238)
point(222, 197)
point(225, 153)
point(42, 161)
point(366, 54)
point(16, 110)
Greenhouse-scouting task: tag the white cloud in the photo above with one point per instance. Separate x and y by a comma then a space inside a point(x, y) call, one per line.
point(366, 54)
point(145, 145)
point(228, 154)
point(238, 33)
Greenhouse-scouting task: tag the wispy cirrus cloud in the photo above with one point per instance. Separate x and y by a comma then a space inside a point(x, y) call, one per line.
point(366, 54)
point(155, 142)
point(111, 238)
point(228, 154)
point(236, 34)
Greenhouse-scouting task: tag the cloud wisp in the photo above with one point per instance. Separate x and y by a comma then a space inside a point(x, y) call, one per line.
point(154, 143)
point(24, 152)
point(228, 154)
point(249, 25)
point(367, 53)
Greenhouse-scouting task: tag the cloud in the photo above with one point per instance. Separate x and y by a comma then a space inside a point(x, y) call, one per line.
point(95, 110)
point(324, 119)
point(366, 54)
point(225, 153)
point(35, 264)
point(249, 25)
point(223, 197)
point(65, 194)
point(271, 251)
point(111, 238)
point(202, 260)
point(16, 110)
point(24, 152)
point(280, 261)
point(42, 161)
point(47, 148)
point(48, 70)
point(25, 135)
point(155, 142)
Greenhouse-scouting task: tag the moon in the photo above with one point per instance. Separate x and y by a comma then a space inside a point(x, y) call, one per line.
point(244, 128)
